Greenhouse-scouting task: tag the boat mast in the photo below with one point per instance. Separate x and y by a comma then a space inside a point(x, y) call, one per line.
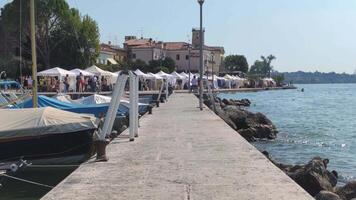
point(34, 57)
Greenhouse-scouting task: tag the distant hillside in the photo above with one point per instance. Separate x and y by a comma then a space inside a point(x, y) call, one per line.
point(318, 77)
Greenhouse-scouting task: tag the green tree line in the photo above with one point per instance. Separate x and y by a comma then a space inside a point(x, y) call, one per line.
point(64, 37)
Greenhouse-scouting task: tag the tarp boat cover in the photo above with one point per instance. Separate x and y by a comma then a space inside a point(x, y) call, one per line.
point(100, 99)
point(42, 121)
point(44, 101)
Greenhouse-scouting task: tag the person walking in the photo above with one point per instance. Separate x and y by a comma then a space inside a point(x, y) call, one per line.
point(66, 83)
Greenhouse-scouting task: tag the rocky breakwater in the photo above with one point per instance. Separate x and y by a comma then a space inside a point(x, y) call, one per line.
point(317, 180)
point(249, 125)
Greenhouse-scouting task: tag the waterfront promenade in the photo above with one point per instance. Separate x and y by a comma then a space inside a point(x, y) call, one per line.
point(181, 153)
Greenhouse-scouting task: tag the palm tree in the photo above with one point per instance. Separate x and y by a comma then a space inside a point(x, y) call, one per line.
point(267, 64)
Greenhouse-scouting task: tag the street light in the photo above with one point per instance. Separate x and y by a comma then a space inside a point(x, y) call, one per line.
point(201, 2)
point(189, 49)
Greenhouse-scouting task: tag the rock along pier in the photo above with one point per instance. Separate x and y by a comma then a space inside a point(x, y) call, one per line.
point(181, 153)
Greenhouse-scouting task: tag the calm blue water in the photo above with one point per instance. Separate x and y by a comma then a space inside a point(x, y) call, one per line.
point(321, 121)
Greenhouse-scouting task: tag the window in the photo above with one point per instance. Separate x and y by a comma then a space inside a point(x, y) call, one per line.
point(134, 56)
point(187, 57)
point(177, 57)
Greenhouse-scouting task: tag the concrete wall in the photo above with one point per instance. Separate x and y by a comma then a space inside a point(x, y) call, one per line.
point(147, 54)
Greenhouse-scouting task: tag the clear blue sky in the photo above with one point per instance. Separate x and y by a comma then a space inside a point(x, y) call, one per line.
point(304, 35)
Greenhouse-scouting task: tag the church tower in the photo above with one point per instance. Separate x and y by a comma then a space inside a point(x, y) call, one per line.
point(196, 37)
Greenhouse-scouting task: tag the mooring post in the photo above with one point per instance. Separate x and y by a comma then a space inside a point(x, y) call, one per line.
point(110, 118)
point(211, 96)
point(159, 94)
point(167, 92)
point(132, 107)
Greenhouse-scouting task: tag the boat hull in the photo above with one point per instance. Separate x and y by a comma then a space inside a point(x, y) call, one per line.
point(67, 148)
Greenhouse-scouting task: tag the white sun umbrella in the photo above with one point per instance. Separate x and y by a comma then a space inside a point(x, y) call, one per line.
point(60, 73)
point(84, 73)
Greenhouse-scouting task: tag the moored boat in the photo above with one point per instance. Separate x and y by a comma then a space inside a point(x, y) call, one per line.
point(46, 135)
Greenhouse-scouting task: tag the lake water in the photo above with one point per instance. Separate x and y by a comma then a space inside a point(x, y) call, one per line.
point(17, 190)
point(321, 121)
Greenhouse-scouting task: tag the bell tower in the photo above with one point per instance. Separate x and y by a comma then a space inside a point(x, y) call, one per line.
point(196, 37)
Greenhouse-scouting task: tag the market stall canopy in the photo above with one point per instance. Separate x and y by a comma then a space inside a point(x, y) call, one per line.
point(141, 74)
point(78, 71)
point(42, 121)
point(97, 71)
point(164, 75)
point(178, 76)
point(215, 78)
point(184, 74)
point(55, 72)
point(154, 76)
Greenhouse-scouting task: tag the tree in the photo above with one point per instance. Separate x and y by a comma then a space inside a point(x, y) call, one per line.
point(264, 67)
point(167, 65)
point(279, 78)
point(236, 63)
point(63, 37)
point(267, 64)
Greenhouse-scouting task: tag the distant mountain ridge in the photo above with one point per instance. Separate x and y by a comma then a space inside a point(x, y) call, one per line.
point(301, 77)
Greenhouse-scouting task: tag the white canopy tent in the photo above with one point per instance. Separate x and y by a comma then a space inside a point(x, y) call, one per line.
point(111, 77)
point(140, 74)
point(164, 75)
point(55, 72)
point(84, 73)
point(215, 79)
point(60, 73)
point(171, 80)
point(269, 82)
point(98, 72)
point(177, 76)
point(154, 76)
point(184, 74)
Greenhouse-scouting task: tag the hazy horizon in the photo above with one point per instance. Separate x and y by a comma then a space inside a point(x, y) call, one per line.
point(304, 35)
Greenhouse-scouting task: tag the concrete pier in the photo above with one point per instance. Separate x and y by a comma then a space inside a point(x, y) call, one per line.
point(181, 153)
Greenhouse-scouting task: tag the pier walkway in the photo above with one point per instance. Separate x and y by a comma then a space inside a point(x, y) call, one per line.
point(181, 153)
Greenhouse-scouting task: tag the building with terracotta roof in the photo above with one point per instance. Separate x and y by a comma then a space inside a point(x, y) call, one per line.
point(111, 54)
point(185, 55)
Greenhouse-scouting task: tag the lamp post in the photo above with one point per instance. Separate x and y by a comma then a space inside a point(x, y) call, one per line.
point(201, 2)
point(212, 70)
point(189, 86)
